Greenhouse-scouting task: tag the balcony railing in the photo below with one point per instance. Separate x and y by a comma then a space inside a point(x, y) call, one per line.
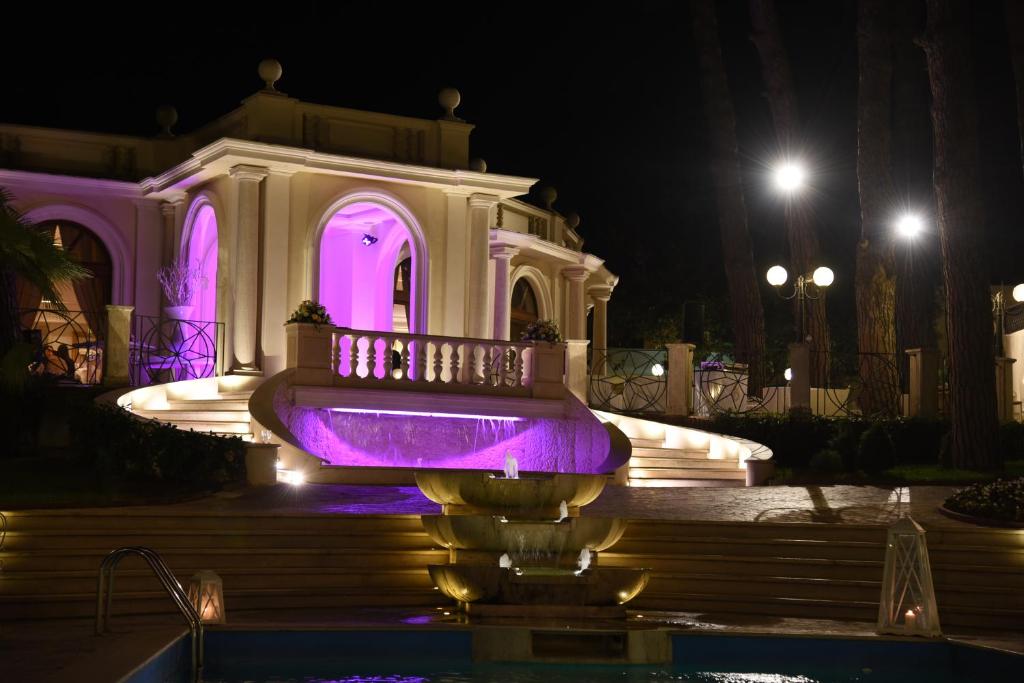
point(391, 360)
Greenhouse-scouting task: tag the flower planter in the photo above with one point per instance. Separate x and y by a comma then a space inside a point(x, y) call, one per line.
point(308, 351)
point(547, 370)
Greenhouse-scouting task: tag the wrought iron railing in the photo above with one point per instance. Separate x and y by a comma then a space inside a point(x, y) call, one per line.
point(722, 386)
point(169, 350)
point(628, 380)
point(866, 384)
point(66, 344)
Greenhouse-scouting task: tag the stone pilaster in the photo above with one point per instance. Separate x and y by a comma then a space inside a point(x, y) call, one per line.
point(480, 206)
point(502, 256)
point(576, 315)
point(245, 331)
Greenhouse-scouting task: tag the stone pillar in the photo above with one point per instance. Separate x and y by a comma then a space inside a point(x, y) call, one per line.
point(600, 294)
point(800, 385)
point(502, 256)
point(456, 268)
point(1004, 388)
point(168, 246)
point(115, 349)
point(245, 331)
point(679, 389)
point(924, 383)
point(274, 301)
point(576, 368)
point(576, 315)
point(479, 237)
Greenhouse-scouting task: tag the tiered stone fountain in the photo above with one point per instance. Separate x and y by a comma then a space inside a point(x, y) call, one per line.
point(518, 547)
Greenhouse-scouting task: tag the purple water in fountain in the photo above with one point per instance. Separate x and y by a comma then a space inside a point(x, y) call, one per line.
point(576, 443)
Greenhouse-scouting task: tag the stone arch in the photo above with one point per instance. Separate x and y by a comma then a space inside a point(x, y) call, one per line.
point(417, 247)
point(539, 282)
point(201, 210)
point(121, 261)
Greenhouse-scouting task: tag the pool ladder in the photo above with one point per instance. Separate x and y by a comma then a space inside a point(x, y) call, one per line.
point(105, 591)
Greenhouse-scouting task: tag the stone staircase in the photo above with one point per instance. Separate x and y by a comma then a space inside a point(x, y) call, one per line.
point(277, 560)
point(219, 405)
point(668, 456)
point(268, 561)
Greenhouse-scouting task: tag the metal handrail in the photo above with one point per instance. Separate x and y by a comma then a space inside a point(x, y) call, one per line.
point(105, 592)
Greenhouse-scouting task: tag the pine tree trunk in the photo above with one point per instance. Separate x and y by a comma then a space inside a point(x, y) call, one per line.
point(1015, 30)
point(800, 231)
point(874, 280)
point(911, 164)
point(741, 275)
point(974, 434)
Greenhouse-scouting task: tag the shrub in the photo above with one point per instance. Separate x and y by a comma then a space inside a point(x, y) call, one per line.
point(828, 460)
point(875, 454)
point(120, 446)
point(1002, 499)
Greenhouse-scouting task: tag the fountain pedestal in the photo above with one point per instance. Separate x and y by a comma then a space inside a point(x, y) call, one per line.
point(532, 524)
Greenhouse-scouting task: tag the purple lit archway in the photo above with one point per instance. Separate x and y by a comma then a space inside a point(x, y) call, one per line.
point(199, 247)
point(358, 245)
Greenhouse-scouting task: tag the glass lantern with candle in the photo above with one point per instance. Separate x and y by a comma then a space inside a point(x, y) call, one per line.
point(907, 606)
point(206, 593)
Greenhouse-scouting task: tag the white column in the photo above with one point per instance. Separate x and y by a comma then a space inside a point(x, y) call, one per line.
point(275, 304)
point(246, 310)
point(170, 211)
point(456, 272)
point(480, 206)
point(502, 255)
point(600, 294)
point(576, 324)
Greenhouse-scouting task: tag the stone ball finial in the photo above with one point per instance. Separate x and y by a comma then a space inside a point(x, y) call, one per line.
point(478, 165)
point(270, 71)
point(573, 220)
point(548, 195)
point(449, 99)
point(166, 117)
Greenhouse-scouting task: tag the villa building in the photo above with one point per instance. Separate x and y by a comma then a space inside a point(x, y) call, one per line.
point(384, 219)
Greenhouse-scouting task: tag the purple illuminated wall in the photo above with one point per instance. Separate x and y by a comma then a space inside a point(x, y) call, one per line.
point(577, 442)
point(202, 251)
point(356, 279)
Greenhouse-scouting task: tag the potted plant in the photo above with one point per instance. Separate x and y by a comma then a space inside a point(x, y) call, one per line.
point(179, 281)
point(542, 331)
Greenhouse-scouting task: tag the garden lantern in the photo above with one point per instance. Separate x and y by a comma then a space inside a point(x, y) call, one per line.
point(206, 593)
point(908, 604)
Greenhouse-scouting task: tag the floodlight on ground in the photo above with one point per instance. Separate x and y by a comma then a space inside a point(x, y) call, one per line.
point(777, 276)
point(823, 276)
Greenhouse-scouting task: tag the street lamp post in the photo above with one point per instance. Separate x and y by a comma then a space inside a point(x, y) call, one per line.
point(811, 286)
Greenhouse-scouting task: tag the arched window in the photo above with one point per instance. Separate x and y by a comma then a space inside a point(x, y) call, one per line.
point(67, 344)
point(524, 308)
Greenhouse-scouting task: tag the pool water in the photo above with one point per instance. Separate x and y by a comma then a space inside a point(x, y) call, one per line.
point(438, 656)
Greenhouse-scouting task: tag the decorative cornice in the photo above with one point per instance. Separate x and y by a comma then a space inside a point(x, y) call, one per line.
point(600, 292)
point(576, 273)
point(483, 201)
point(70, 184)
point(220, 156)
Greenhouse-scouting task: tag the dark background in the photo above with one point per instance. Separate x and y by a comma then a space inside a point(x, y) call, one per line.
point(602, 102)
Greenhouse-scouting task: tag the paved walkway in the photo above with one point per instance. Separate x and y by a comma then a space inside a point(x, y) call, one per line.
point(821, 504)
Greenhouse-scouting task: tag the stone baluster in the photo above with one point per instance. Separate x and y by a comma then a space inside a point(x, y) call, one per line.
point(405, 359)
point(438, 362)
point(421, 360)
point(455, 363)
point(487, 369)
point(335, 354)
point(389, 357)
point(371, 356)
point(353, 359)
point(517, 370)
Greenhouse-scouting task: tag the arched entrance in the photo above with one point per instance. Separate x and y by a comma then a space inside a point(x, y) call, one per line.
point(524, 308)
point(199, 248)
point(69, 344)
point(370, 269)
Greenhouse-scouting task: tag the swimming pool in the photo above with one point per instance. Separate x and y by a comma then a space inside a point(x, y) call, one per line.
point(446, 656)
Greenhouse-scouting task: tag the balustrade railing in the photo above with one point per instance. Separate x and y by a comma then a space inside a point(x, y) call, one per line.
point(369, 359)
point(628, 380)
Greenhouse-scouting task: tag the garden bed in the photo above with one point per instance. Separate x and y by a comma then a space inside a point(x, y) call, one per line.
point(997, 503)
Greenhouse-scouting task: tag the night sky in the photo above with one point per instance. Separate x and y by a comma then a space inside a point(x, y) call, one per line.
point(602, 102)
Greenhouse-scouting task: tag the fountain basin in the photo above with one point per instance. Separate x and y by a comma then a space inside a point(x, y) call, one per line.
point(466, 532)
point(604, 586)
point(530, 497)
